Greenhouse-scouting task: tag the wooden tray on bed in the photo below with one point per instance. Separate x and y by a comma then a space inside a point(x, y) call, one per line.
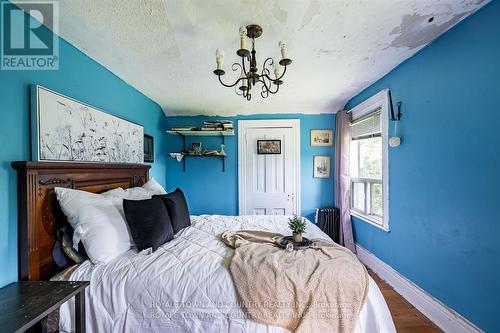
point(284, 241)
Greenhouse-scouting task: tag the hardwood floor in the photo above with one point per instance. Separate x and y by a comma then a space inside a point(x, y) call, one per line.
point(407, 318)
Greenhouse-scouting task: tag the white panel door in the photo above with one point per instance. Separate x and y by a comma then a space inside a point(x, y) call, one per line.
point(270, 180)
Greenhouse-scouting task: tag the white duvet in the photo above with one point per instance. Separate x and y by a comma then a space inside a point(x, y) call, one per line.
point(185, 285)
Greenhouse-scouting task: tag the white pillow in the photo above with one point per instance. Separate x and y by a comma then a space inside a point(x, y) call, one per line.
point(116, 192)
point(152, 187)
point(98, 221)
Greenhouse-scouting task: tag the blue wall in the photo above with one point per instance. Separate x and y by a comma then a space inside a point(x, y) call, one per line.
point(79, 77)
point(210, 191)
point(444, 178)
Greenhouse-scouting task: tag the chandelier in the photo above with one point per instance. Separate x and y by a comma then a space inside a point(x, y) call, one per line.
point(249, 78)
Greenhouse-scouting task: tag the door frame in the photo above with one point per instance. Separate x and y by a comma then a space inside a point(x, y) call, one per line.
point(243, 125)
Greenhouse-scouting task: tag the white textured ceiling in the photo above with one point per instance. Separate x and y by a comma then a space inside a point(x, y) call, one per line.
point(166, 49)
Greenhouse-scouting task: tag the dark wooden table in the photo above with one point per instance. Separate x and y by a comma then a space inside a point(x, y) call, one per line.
point(25, 303)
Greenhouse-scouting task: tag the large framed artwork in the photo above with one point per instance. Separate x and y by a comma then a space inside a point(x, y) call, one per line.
point(64, 129)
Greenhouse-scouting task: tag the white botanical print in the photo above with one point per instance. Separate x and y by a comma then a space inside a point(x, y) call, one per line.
point(71, 131)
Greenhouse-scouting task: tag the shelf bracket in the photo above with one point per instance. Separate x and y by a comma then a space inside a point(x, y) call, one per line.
point(184, 159)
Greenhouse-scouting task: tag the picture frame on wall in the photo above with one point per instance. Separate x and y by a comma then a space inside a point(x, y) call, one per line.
point(321, 137)
point(268, 147)
point(321, 166)
point(196, 148)
point(65, 129)
point(149, 151)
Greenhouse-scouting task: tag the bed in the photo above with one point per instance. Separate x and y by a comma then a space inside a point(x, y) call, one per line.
point(184, 286)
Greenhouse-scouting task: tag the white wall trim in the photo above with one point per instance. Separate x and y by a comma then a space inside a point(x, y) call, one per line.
point(441, 315)
point(379, 100)
point(294, 124)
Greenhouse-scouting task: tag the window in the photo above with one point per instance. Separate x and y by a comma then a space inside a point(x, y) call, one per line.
point(368, 161)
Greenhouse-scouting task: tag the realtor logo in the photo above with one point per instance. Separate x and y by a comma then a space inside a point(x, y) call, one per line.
point(29, 35)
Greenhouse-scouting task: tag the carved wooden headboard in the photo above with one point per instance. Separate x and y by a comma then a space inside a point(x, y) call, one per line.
point(40, 214)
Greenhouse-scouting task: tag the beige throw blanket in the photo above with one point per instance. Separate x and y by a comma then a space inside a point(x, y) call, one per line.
point(319, 289)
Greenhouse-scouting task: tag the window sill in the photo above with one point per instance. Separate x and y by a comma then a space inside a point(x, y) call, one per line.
point(370, 220)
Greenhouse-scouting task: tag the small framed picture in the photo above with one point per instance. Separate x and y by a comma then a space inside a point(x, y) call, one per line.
point(266, 147)
point(196, 147)
point(149, 151)
point(321, 137)
point(321, 166)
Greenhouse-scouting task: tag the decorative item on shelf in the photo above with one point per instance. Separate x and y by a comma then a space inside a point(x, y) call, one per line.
point(149, 151)
point(298, 226)
point(196, 148)
point(183, 128)
point(222, 149)
point(321, 137)
point(249, 78)
point(268, 147)
point(321, 166)
point(227, 125)
point(212, 153)
point(218, 125)
point(209, 128)
point(177, 156)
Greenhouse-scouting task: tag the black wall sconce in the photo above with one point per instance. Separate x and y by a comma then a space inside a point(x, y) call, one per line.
point(394, 117)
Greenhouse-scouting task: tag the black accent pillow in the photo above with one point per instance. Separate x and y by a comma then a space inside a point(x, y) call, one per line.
point(148, 222)
point(177, 209)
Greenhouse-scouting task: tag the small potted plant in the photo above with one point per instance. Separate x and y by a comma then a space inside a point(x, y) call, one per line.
point(298, 226)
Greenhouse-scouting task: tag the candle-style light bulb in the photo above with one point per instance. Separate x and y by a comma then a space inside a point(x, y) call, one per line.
point(244, 82)
point(277, 71)
point(243, 37)
point(284, 50)
point(219, 58)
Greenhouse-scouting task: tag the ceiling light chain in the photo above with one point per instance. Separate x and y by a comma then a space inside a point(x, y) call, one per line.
point(248, 79)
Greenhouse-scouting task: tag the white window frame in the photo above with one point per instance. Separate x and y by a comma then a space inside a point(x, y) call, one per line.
point(379, 100)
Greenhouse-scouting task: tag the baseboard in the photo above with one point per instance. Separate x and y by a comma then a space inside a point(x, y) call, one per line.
point(441, 315)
